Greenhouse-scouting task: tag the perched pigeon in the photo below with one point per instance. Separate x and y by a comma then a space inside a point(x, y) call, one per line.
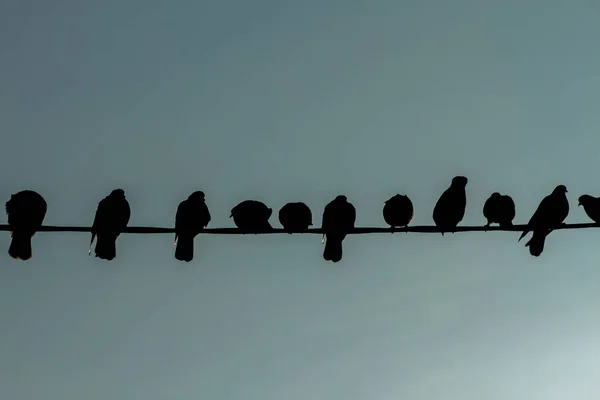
point(26, 211)
point(450, 208)
point(252, 215)
point(550, 214)
point(191, 218)
point(398, 211)
point(591, 205)
point(112, 217)
point(295, 217)
point(499, 209)
point(339, 217)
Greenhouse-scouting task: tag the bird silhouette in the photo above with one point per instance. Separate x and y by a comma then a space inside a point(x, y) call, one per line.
point(591, 206)
point(191, 218)
point(112, 217)
point(295, 217)
point(499, 209)
point(398, 211)
point(252, 216)
point(339, 217)
point(26, 211)
point(550, 214)
point(450, 208)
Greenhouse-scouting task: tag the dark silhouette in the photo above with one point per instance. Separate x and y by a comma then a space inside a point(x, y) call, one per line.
point(499, 209)
point(537, 241)
point(112, 217)
point(339, 217)
point(26, 211)
point(398, 211)
point(191, 218)
point(591, 205)
point(295, 217)
point(450, 208)
point(252, 216)
point(550, 214)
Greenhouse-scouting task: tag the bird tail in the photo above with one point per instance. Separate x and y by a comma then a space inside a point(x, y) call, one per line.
point(106, 246)
point(20, 246)
point(333, 248)
point(536, 243)
point(184, 250)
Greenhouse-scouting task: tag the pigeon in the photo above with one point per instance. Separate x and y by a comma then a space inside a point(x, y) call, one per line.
point(591, 205)
point(191, 218)
point(295, 217)
point(252, 215)
point(499, 209)
point(398, 211)
point(550, 214)
point(26, 211)
point(450, 208)
point(339, 217)
point(112, 217)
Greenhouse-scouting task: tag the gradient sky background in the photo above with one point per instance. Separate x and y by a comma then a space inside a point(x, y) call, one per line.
point(300, 101)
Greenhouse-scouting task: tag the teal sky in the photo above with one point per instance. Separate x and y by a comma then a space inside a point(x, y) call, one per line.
point(300, 101)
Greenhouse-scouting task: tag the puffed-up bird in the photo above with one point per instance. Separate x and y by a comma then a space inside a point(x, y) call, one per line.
point(591, 206)
point(191, 218)
point(398, 211)
point(499, 209)
point(339, 217)
point(26, 211)
point(112, 217)
point(550, 214)
point(295, 217)
point(450, 208)
point(252, 215)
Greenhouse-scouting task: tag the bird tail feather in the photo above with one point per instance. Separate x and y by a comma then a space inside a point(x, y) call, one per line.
point(20, 246)
point(536, 244)
point(106, 246)
point(184, 251)
point(333, 249)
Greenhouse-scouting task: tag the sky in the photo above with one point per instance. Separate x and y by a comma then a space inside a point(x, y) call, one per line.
point(284, 101)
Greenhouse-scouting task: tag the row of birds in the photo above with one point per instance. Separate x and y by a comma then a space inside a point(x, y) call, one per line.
point(26, 211)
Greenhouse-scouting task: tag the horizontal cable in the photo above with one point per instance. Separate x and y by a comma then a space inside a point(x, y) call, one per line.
point(354, 231)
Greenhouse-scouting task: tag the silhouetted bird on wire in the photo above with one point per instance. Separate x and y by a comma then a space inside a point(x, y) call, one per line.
point(191, 218)
point(112, 217)
point(339, 217)
point(450, 208)
point(26, 211)
point(591, 205)
point(499, 209)
point(550, 214)
point(295, 217)
point(252, 216)
point(398, 211)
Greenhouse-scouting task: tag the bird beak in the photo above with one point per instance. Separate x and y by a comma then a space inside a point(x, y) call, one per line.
point(579, 204)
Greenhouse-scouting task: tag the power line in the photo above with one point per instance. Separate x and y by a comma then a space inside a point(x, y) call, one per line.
point(354, 231)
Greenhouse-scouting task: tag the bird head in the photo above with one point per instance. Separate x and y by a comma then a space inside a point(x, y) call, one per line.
point(496, 195)
point(341, 198)
point(198, 195)
point(584, 199)
point(118, 193)
point(560, 189)
point(459, 181)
